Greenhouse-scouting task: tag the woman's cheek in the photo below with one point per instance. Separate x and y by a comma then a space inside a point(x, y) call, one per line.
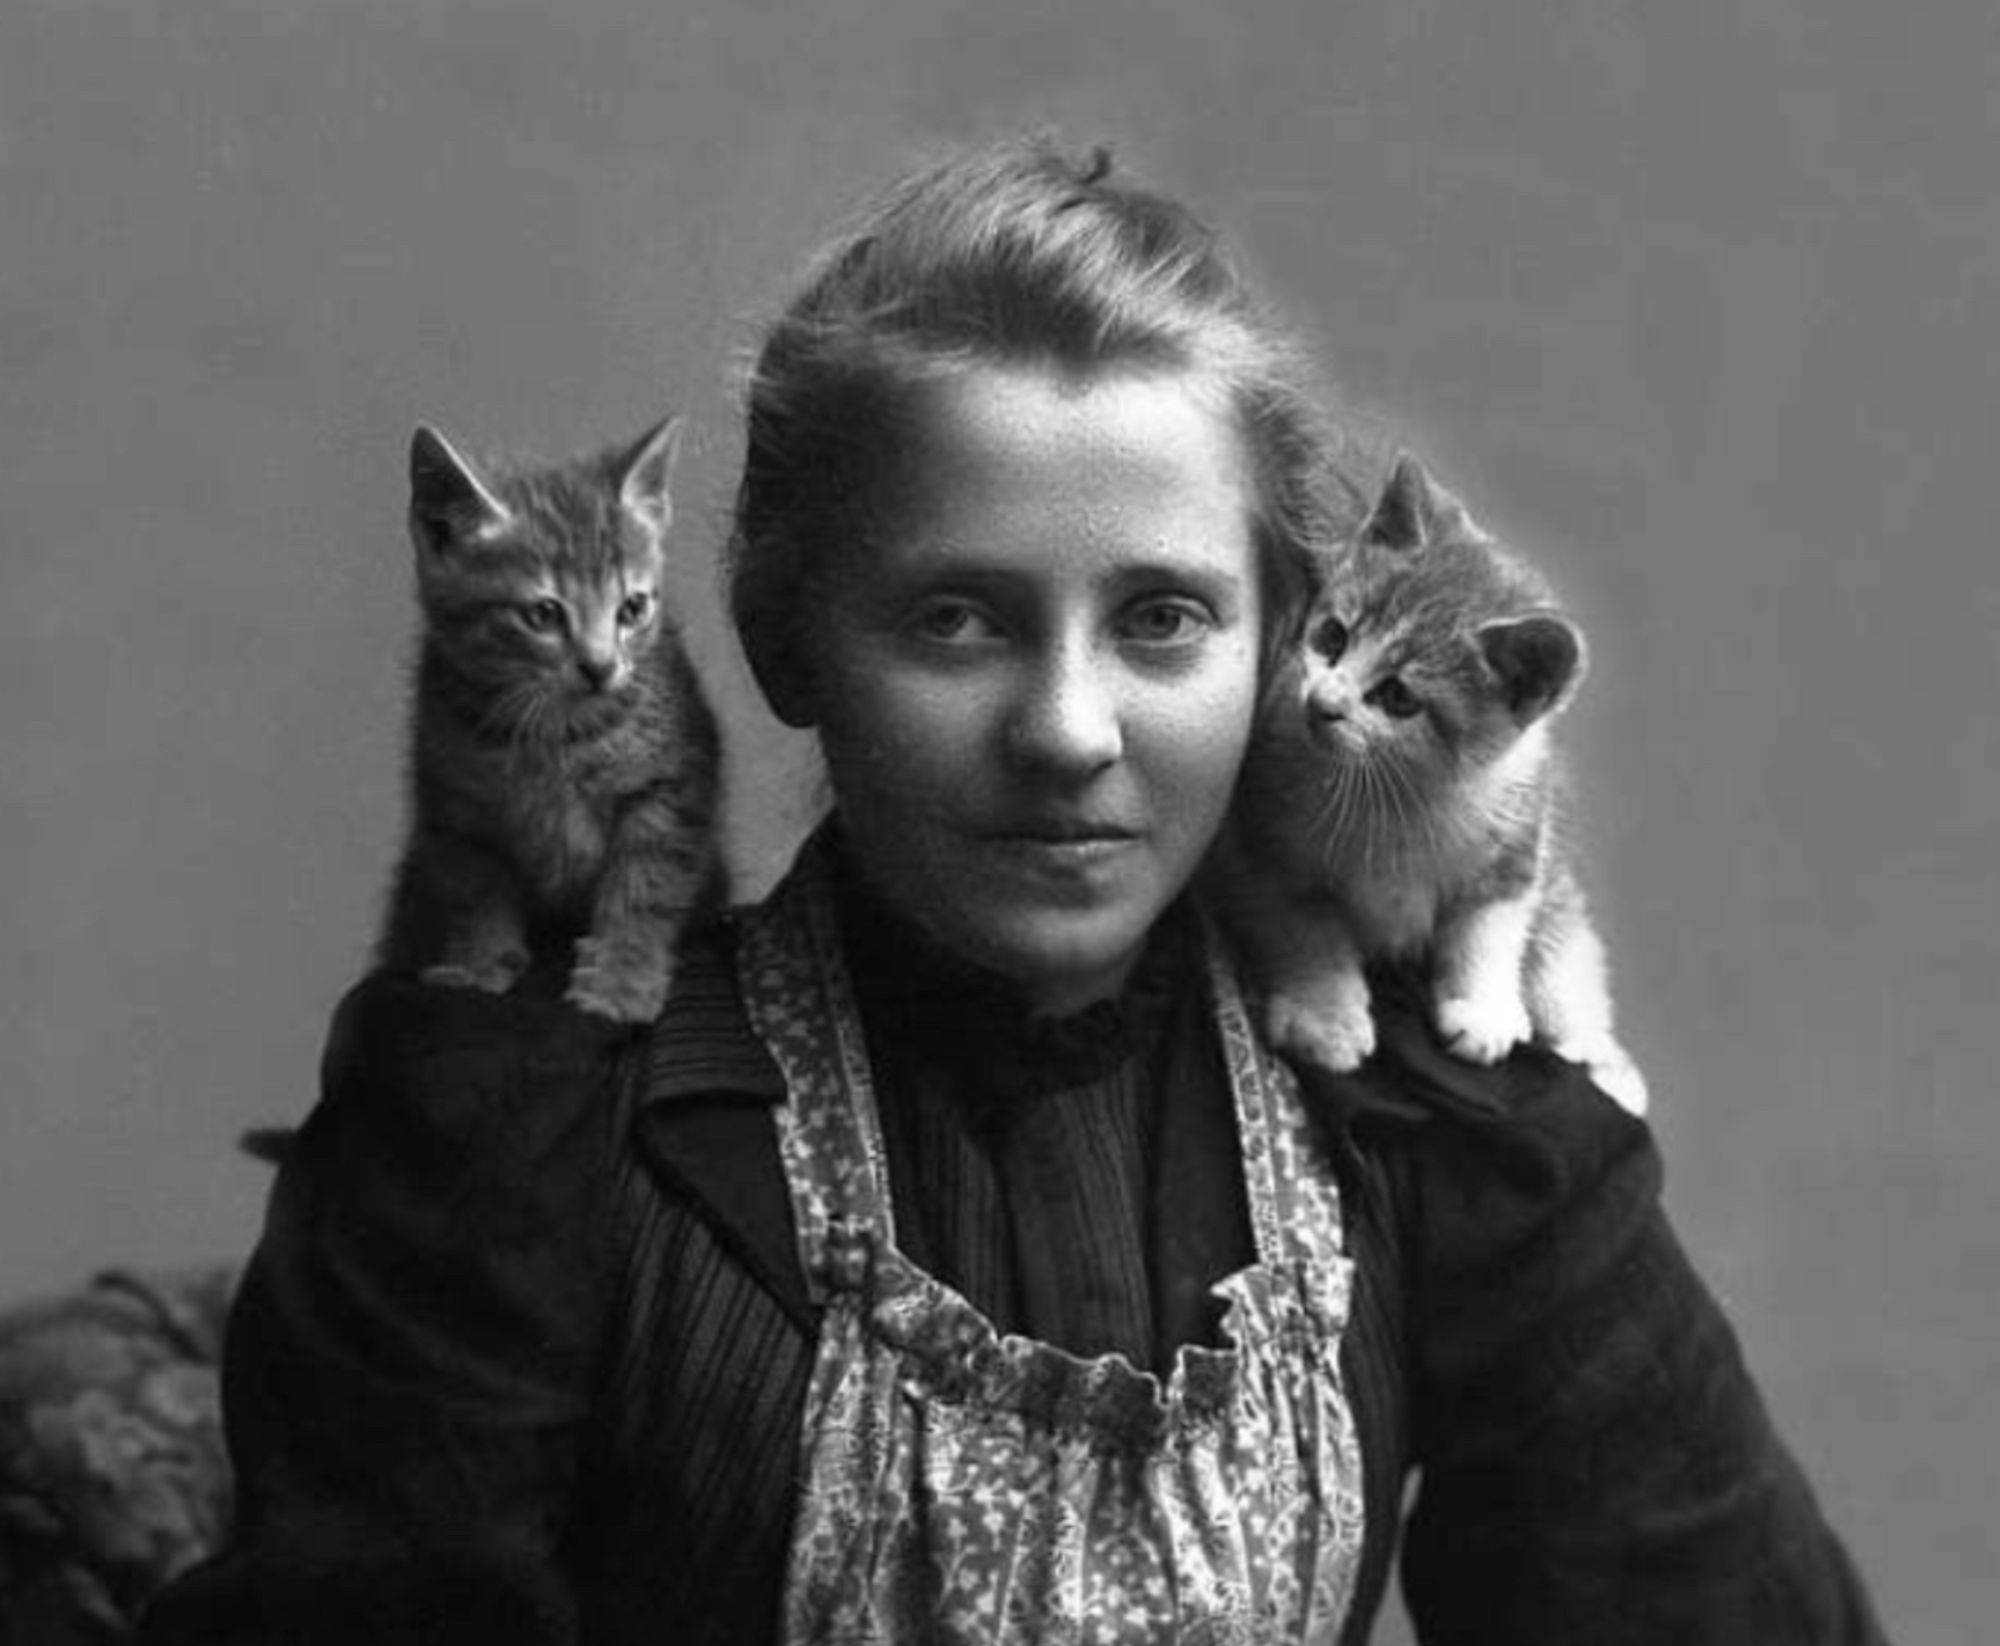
point(1204, 728)
point(907, 742)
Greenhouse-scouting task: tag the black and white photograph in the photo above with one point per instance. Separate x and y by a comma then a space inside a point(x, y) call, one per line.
point(999, 824)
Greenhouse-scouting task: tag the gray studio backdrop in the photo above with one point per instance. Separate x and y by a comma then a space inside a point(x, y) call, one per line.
point(1697, 301)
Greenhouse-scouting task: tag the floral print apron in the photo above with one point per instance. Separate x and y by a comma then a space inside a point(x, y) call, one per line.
point(960, 1486)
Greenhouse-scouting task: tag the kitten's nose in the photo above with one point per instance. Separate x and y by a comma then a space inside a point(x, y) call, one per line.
point(598, 671)
point(1328, 723)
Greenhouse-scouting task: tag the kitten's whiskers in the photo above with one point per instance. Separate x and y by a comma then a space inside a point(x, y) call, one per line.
point(504, 712)
point(1334, 816)
point(1389, 812)
point(1411, 805)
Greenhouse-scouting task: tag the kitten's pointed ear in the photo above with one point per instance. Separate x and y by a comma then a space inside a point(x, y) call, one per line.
point(1414, 510)
point(449, 503)
point(643, 474)
point(1401, 517)
point(1539, 661)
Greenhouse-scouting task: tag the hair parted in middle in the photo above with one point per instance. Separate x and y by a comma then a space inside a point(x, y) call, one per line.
point(1018, 254)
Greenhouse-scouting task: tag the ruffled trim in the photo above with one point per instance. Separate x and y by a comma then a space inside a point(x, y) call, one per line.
point(952, 1353)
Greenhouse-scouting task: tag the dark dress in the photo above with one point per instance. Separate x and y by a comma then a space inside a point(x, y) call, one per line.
point(522, 1353)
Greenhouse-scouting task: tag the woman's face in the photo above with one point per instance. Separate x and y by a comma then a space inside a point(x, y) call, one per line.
point(1034, 683)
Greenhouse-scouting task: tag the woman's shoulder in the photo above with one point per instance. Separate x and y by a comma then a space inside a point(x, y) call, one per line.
point(462, 1069)
point(470, 1081)
point(1482, 1162)
point(1568, 1365)
point(702, 1046)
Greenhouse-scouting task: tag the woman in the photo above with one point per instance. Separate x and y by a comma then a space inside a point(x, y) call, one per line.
point(950, 1261)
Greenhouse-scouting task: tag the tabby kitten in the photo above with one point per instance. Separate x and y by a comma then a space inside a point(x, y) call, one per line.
point(563, 761)
point(1402, 801)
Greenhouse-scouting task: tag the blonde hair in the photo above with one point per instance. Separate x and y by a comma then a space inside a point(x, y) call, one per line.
point(1022, 255)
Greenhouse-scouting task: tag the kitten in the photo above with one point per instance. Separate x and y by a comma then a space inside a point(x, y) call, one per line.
point(1402, 801)
point(563, 762)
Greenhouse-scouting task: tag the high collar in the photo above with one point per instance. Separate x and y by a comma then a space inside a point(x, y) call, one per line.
point(917, 997)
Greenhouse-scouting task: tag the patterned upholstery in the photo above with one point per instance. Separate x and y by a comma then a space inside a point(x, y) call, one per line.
point(113, 1476)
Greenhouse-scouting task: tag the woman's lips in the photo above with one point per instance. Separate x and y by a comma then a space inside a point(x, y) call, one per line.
point(1068, 848)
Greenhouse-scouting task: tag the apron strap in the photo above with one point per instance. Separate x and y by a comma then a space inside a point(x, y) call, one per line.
point(801, 1002)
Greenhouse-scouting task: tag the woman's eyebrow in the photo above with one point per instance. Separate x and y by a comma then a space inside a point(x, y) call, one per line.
point(1167, 571)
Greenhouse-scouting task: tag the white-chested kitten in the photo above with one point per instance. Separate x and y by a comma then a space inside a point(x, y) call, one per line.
point(1402, 801)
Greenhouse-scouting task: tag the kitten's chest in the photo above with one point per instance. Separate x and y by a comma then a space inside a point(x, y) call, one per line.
point(1395, 885)
point(555, 817)
point(1396, 910)
point(560, 822)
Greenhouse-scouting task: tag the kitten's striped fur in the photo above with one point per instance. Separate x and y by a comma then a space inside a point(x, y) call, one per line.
point(563, 762)
point(1403, 800)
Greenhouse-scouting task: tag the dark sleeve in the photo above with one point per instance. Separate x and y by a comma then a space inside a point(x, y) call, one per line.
point(1597, 1465)
point(408, 1361)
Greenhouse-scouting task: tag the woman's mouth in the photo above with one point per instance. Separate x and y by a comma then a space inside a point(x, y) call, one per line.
point(1064, 846)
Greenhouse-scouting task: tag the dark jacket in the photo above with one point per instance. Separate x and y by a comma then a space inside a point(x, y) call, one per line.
point(522, 1353)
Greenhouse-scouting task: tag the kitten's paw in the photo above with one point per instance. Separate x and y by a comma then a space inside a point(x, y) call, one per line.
point(1338, 1039)
point(1620, 1080)
point(495, 976)
point(1483, 1030)
point(1612, 1072)
point(618, 981)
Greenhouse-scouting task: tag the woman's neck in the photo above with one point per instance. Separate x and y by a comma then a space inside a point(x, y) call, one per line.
point(1059, 997)
point(902, 958)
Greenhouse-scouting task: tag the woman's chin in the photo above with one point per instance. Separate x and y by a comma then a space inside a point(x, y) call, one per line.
point(1063, 959)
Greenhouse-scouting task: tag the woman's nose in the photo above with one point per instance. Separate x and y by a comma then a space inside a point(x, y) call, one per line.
point(1068, 716)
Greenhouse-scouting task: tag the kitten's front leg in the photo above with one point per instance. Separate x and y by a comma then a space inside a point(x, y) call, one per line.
point(661, 868)
point(482, 939)
point(1318, 1009)
point(489, 951)
point(1482, 1014)
point(1303, 955)
point(623, 974)
point(1569, 995)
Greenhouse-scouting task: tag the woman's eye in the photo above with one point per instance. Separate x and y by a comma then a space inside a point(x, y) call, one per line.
point(1165, 622)
point(1329, 639)
point(542, 616)
point(953, 622)
point(634, 609)
point(1394, 698)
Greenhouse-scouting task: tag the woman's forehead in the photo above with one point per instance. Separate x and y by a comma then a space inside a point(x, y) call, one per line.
point(1000, 414)
point(1014, 453)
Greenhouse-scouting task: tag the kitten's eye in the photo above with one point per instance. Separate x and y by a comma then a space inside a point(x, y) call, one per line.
point(1394, 698)
point(543, 616)
point(1164, 622)
point(634, 609)
point(1329, 639)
